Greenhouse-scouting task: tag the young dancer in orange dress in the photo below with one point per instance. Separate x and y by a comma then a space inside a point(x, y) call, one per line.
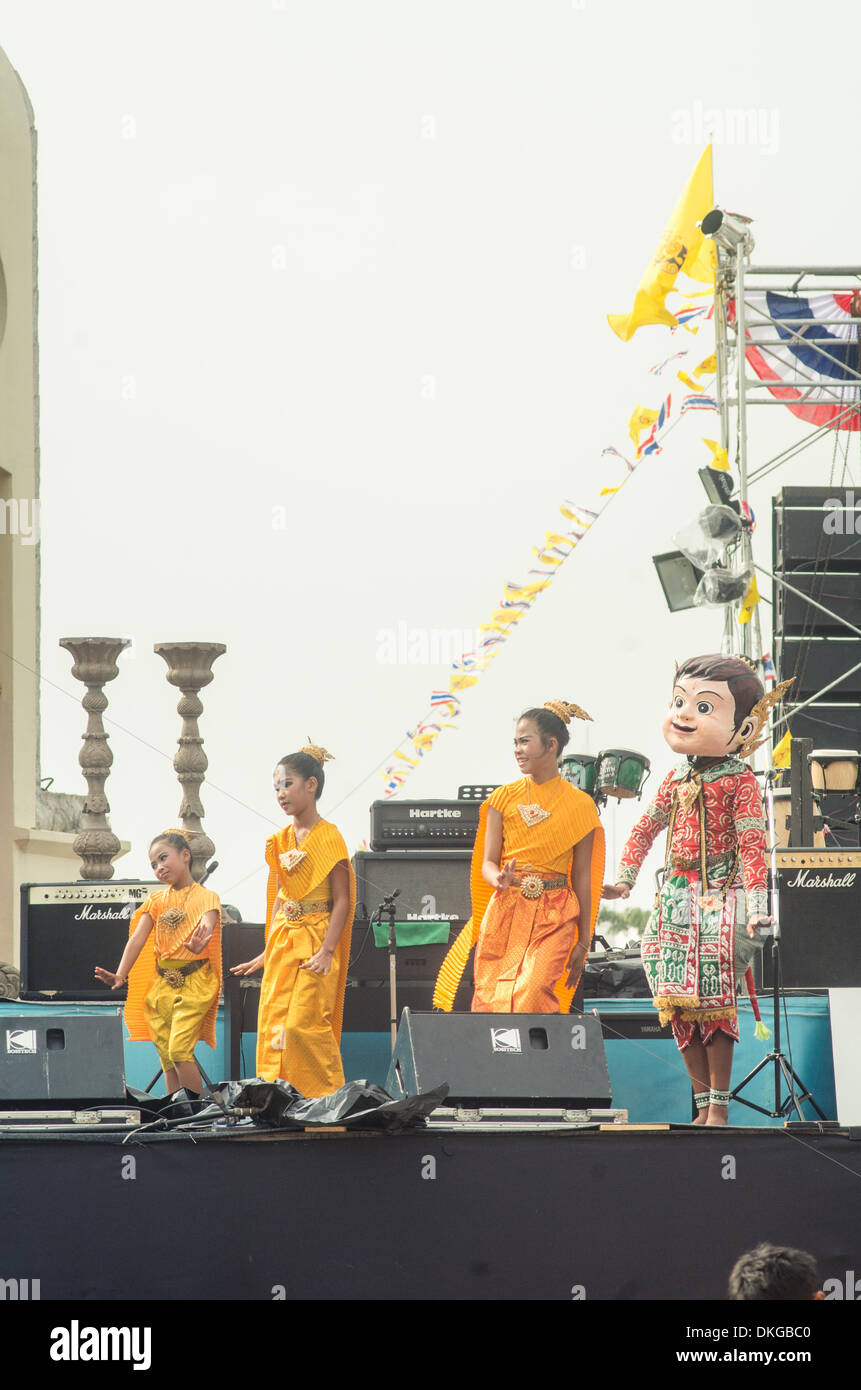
point(310, 902)
point(173, 989)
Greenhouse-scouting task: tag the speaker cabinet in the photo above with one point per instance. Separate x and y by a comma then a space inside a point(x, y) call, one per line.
point(502, 1059)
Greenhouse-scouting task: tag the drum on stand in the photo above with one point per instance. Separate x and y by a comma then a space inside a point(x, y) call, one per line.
point(621, 773)
point(834, 769)
point(782, 804)
point(579, 770)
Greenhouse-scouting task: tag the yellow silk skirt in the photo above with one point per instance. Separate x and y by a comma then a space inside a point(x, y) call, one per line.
point(297, 1039)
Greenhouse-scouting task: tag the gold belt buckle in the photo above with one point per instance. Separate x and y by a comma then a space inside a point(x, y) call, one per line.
point(175, 978)
point(531, 886)
point(292, 909)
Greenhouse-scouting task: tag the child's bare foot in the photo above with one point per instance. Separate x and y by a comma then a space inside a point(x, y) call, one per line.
point(718, 1115)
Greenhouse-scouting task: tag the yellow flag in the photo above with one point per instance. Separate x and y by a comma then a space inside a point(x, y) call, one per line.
point(547, 559)
point(532, 589)
point(507, 615)
point(554, 538)
point(461, 682)
point(749, 602)
point(641, 419)
point(605, 491)
point(781, 755)
point(707, 366)
point(689, 382)
point(719, 458)
point(681, 248)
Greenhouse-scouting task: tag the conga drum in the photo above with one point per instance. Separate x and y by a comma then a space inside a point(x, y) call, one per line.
point(579, 770)
point(621, 773)
point(782, 802)
point(834, 769)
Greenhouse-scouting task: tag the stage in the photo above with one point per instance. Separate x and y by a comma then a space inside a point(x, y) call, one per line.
point(623, 1215)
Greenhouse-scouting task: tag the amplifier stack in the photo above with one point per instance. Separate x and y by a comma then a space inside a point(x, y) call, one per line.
point(420, 850)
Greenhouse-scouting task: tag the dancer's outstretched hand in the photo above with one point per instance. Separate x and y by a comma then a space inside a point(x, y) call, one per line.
point(248, 967)
point(108, 977)
point(616, 890)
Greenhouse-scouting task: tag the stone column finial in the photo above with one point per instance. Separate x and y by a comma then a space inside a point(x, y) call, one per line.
point(95, 663)
point(188, 668)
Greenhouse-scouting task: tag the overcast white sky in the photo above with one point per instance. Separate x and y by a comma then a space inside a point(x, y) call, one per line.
point(353, 259)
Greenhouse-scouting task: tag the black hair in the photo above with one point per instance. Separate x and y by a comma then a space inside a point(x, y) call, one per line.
point(772, 1273)
point(306, 766)
point(172, 837)
point(549, 725)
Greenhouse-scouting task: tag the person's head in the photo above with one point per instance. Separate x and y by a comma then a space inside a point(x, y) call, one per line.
point(541, 734)
point(170, 856)
point(711, 704)
point(299, 779)
point(774, 1273)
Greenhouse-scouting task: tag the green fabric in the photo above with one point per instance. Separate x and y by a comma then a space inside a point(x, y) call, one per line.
point(427, 933)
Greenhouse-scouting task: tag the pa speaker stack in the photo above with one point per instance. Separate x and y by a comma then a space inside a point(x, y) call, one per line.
point(816, 541)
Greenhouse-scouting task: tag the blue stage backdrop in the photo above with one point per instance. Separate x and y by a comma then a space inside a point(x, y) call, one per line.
point(647, 1075)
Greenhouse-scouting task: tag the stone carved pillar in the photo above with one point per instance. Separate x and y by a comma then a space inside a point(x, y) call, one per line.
point(188, 668)
point(95, 663)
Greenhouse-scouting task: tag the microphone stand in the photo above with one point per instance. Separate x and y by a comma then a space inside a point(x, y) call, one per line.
point(776, 1057)
point(388, 906)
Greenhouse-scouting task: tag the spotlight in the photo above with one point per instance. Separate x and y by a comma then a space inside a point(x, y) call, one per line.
point(679, 579)
point(720, 587)
point(731, 230)
point(719, 486)
point(705, 539)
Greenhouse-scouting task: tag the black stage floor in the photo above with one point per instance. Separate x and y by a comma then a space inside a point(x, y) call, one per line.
point(629, 1214)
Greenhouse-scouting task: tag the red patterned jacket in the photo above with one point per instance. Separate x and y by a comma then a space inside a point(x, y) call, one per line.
point(734, 819)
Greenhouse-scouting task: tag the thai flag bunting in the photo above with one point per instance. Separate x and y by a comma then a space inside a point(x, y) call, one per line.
point(614, 453)
point(808, 345)
point(768, 667)
point(659, 367)
point(698, 403)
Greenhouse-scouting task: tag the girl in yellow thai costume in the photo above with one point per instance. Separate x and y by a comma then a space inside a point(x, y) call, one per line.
point(310, 902)
point(173, 989)
point(535, 879)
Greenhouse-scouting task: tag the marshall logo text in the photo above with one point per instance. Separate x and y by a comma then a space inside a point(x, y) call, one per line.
point(805, 879)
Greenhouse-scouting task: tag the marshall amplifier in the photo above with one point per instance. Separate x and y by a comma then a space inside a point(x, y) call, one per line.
point(502, 1059)
point(424, 824)
point(820, 920)
point(67, 929)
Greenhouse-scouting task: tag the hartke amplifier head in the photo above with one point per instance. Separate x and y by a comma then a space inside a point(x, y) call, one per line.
point(67, 929)
point(820, 920)
point(502, 1059)
point(424, 824)
point(434, 885)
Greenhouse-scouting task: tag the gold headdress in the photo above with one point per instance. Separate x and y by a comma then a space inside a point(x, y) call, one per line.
point(566, 712)
point(315, 751)
point(759, 714)
point(175, 830)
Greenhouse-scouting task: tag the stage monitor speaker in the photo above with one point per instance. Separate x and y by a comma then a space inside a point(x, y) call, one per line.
point(69, 928)
point(502, 1059)
point(820, 920)
point(48, 1058)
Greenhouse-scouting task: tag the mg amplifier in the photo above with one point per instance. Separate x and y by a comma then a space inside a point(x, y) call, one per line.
point(69, 928)
point(819, 893)
point(424, 824)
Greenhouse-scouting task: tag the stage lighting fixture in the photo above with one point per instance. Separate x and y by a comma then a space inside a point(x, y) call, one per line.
point(719, 587)
point(705, 539)
point(679, 579)
point(719, 486)
point(731, 230)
